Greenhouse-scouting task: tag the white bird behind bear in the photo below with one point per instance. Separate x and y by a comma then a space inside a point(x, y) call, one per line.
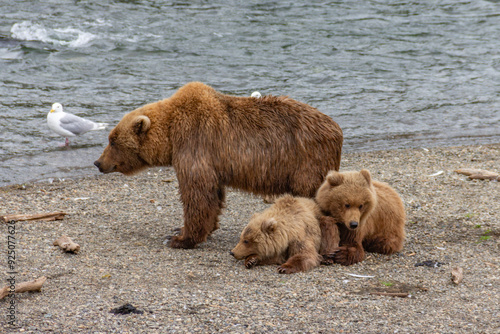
point(69, 125)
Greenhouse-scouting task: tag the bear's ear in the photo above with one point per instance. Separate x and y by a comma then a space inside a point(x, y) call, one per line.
point(366, 174)
point(141, 124)
point(334, 178)
point(269, 225)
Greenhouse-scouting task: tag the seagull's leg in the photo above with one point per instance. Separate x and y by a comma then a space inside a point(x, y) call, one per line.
point(67, 141)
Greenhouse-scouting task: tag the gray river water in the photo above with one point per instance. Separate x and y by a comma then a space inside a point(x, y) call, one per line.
point(393, 74)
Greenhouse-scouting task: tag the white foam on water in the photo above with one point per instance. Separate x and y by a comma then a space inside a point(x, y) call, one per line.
point(82, 38)
point(29, 31)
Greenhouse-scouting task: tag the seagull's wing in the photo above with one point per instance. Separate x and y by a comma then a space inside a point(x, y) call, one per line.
point(75, 124)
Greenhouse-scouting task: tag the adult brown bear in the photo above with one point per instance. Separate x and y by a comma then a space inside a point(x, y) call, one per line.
point(268, 146)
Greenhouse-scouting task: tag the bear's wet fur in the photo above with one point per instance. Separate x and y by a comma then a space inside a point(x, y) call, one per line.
point(268, 146)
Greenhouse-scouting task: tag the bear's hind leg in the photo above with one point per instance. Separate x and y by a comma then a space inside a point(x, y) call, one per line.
point(303, 258)
point(300, 262)
point(383, 245)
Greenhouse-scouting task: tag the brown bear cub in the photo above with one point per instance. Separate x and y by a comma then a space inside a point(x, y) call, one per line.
point(268, 146)
point(287, 233)
point(369, 216)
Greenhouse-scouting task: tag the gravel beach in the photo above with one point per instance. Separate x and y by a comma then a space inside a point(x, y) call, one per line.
point(121, 224)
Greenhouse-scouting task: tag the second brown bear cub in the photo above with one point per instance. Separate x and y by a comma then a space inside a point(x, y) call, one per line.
point(369, 215)
point(287, 233)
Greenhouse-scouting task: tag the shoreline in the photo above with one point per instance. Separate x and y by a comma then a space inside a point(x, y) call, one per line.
point(79, 168)
point(121, 222)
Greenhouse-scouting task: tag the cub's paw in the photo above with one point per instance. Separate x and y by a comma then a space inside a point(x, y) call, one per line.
point(328, 259)
point(347, 255)
point(327, 262)
point(286, 269)
point(251, 261)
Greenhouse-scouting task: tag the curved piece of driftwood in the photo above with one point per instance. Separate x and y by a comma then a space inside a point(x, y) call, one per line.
point(35, 285)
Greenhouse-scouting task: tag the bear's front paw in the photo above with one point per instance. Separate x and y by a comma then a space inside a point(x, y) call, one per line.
point(251, 261)
point(287, 269)
point(176, 232)
point(346, 255)
point(179, 242)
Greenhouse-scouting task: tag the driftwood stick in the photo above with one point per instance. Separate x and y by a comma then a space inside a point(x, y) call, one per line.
point(66, 244)
point(481, 174)
point(391, 294)
point(484, 177)
point(38, 216)
point(35, 285)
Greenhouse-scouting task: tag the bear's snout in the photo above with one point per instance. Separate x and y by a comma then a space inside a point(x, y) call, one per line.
point(231, 252)
point(99, 165)
point(103, 168)
point(353, 225)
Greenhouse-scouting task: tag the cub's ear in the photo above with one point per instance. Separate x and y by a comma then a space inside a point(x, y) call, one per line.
point(141, 124)
point(269, 225)
point(366, 174)
point(334, 178)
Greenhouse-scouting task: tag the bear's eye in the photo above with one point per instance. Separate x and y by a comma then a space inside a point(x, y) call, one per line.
point(348, 206)
point(112, 141)
point(245, 241)
point(361, 207)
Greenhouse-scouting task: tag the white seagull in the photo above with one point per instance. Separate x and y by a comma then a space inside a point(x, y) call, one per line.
point(256, 95)
point(69, 125)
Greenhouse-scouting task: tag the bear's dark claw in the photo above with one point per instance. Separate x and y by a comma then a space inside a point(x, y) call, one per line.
point(250, 264)
point(286, 269)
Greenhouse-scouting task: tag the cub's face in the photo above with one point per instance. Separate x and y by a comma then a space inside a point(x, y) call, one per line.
point(124, 152)
point(253, 239)
point(347, 197)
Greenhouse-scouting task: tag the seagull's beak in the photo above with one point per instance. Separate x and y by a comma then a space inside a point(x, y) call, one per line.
point(52, 110)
